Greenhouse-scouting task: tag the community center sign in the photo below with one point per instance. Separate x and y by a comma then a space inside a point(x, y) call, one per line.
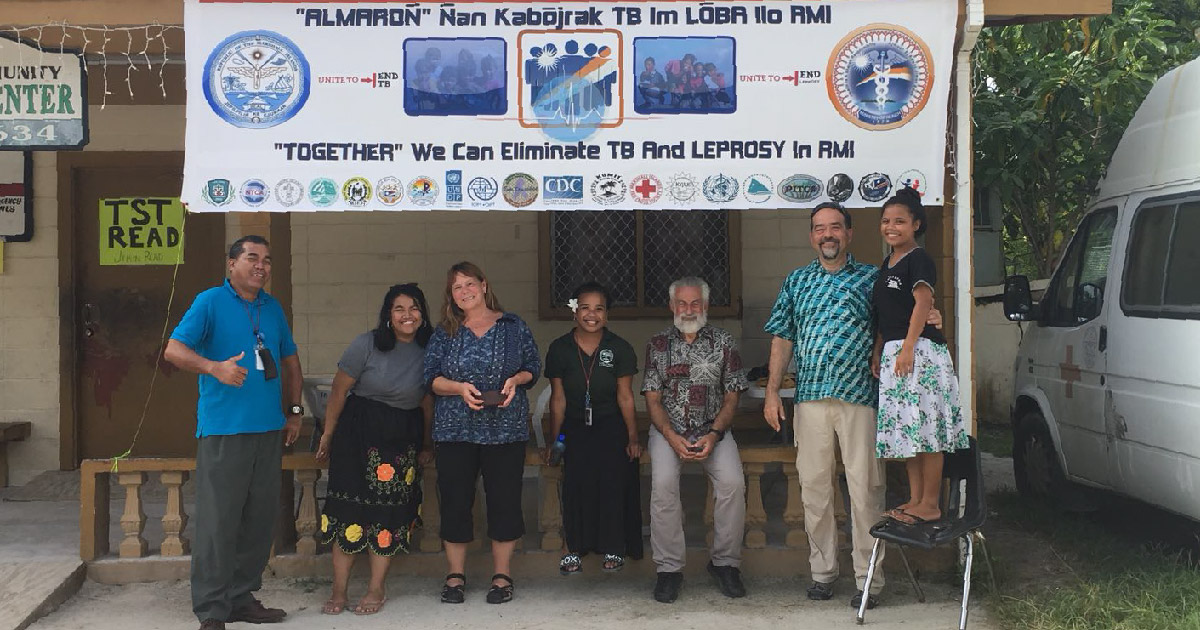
point(43, 102)
point(553, 106)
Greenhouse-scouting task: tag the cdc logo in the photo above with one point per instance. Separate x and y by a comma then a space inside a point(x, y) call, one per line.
point(563, 188)
point(256, 79)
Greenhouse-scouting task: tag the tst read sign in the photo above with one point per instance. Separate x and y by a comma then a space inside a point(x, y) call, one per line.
point(43, 98)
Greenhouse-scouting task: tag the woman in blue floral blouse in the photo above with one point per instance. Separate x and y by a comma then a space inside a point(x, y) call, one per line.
point(479, 363)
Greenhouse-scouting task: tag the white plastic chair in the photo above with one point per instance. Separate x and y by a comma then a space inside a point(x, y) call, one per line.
point(540, 409)
point(316, 395)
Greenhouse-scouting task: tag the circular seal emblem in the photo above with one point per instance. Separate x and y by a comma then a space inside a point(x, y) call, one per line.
point(801, 188)
point(874, 187)
point(913, 179)
point(357, 191)
point(645, 189)
point(322, 192)
point(758, 188)
point(482, 189)
point(254, 192)
point(289, 192)
point(839, 187)
point(879, 76)
point(423, 191)
point(720, 188)
point(682, 187)
point(389, 190)
point(608, 189)
point(256, 79)
point(520, 190)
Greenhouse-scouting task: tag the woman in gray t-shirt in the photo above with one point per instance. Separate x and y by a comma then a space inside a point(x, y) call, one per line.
point(377, 439)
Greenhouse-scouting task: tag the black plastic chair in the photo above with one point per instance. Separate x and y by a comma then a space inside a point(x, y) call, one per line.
point(960, 466)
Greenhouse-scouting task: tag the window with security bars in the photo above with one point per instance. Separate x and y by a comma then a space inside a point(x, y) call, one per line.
point(638, 254)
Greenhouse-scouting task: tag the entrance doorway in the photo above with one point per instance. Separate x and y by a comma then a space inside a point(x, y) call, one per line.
point(113, 315)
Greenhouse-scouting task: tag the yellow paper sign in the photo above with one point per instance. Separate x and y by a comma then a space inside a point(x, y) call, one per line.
point(141, 231)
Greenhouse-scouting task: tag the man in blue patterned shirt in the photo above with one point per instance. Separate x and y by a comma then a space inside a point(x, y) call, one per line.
point(823, 314)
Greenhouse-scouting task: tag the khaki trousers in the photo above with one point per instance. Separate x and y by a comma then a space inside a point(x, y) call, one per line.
point(818, 425)
point(724, 468)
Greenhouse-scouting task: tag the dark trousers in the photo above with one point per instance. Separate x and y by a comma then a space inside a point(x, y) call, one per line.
point(237, 500)
point(459, 465)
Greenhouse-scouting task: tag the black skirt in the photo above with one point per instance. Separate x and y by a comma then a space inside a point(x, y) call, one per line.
point(601, 493)
point(374, 494)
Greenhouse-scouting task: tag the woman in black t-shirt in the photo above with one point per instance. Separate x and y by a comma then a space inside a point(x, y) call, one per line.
point(591, 406)
point(919, 416)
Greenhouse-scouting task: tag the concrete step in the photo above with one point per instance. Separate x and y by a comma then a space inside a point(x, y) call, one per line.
point(33, 588)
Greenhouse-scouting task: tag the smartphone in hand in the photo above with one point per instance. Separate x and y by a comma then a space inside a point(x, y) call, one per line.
point(492, 398)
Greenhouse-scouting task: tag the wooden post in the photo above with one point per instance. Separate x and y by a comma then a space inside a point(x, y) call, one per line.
point(793, 514)
point(550, 512)
point(93, 512)
point(175, 519)
point(133, 520)
point(306, 518)
point(756, 514)
point(431, 516)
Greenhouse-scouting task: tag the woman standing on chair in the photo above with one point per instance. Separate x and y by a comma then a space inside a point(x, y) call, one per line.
point(480, 363)
point(919, 416)
point(377, 439)
point(591, 405)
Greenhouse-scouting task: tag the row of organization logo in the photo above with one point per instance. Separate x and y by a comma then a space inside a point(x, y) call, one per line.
point(520, 190)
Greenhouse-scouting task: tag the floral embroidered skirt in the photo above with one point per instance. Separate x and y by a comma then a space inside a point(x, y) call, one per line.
point(374, 494)
point(919, 413)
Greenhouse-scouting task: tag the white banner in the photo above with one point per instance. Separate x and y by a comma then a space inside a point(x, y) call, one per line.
point(590, 105)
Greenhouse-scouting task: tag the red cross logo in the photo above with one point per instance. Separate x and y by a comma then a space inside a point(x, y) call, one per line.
point(1069, 372)
point(647, 188)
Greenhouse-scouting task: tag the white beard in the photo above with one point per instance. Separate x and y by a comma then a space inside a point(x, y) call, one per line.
point(692, 326)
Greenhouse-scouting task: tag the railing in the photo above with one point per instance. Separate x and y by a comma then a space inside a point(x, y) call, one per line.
point(132, 474)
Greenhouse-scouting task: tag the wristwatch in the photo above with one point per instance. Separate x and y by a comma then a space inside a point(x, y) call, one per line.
point(720, 433)
point(295, 410)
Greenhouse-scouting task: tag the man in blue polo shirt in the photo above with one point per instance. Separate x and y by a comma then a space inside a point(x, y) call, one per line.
point(237, 339)
point(823, 316)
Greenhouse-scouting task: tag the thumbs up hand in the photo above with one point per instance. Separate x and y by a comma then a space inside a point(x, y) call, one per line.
point(229, 372)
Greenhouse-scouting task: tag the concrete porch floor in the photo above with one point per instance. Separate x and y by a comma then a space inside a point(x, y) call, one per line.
point(592, 600)
point(39, 570)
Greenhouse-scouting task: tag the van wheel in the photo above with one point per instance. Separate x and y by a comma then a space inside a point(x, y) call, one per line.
point(1035, 462)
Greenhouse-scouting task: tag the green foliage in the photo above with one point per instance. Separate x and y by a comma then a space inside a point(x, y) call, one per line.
point(1051, 102)
point(1109, 583)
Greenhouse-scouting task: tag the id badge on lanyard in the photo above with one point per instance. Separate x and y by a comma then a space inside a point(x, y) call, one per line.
point(258, 352)
point(587, 384)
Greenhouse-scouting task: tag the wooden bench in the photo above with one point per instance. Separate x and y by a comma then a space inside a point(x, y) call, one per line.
point(10, 432)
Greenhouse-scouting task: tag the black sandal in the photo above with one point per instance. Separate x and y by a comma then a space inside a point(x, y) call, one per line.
point(454, 594)
point(500, 594)
point(570, 563)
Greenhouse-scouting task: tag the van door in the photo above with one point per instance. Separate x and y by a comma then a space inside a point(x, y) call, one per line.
point(1070, 363)
point(1155, 357)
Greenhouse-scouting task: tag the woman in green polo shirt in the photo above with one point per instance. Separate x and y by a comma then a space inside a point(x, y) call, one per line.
point(591, 405)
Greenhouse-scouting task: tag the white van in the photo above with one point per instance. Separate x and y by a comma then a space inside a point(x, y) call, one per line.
point(1108, 373)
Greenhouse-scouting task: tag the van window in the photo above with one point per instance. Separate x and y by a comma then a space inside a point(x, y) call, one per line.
point(1076, 293)
point(1183, 268)
point(1163, 262)
point(1148, 246)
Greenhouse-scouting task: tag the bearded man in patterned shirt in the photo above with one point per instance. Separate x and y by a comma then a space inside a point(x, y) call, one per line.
point(693, 379)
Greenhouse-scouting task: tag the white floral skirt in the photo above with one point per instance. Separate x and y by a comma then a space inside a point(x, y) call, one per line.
point(919, 413)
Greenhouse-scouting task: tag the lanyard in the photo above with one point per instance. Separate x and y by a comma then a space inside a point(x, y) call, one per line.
point(255, 318)
point(587, 382)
